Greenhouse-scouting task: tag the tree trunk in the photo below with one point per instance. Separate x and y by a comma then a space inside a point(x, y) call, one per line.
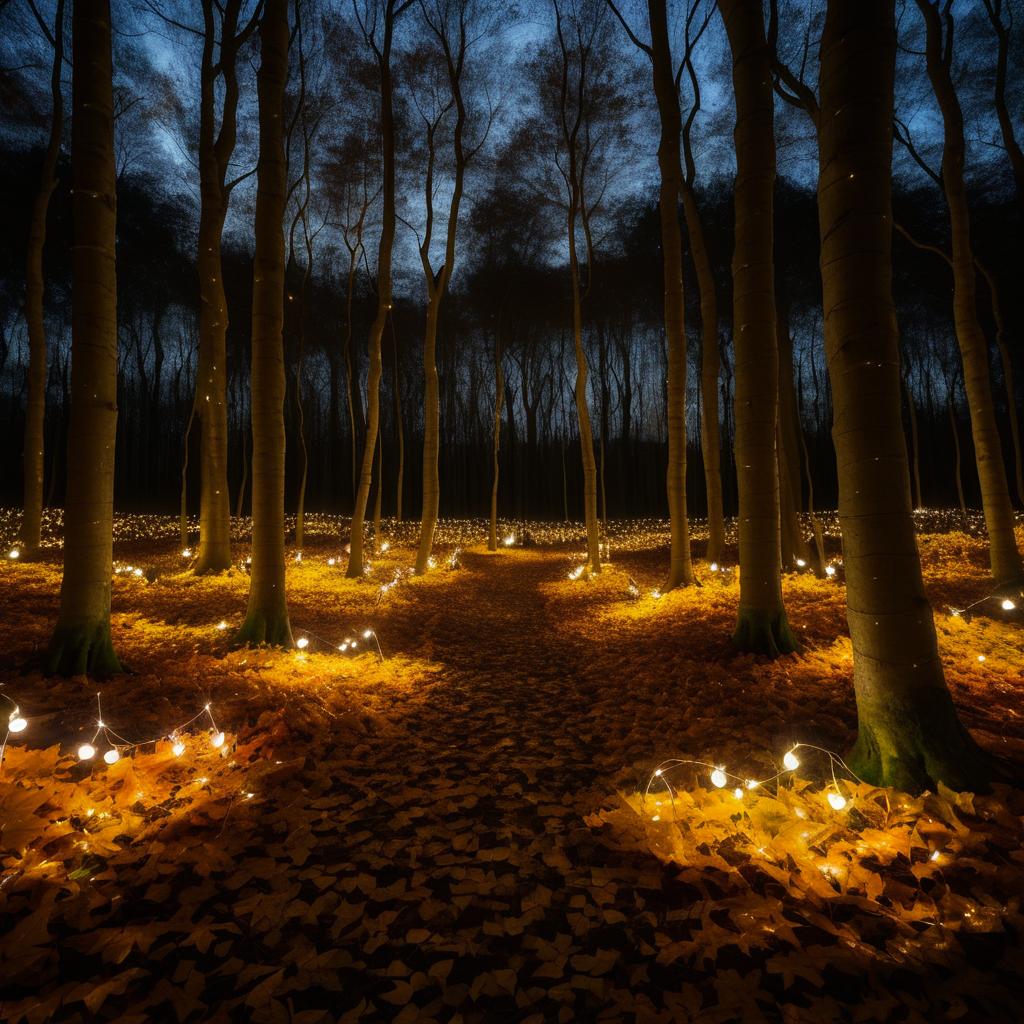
point(499, 395)
point(762, 626)
point(908, 733)
point(958, 475)
point(81, 642)
point(914, 448)
point(215, 151)
point(266, 619)
point(400, 430)
point(1004, 558)
point(794, 546)
point(710, 440)
point(35, 411)
point(671, 181)
point(384, 250)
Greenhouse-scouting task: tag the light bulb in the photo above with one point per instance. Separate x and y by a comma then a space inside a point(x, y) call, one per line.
point(981, 657)
point(752, 783)
point(791, 761)
point(1008, 605)
point(112, 756)
point(330, 561)
point(367, 633)
point(830, 570)
point(186, 552)
point(837, 800)
point(14, 553)
point(738, 793)
point(178, 749)
point(222, 625)
point(17, 723)
point(302, 643)
point(718, 778)
point(657, 771)
point(217, 739)
point(86, 752)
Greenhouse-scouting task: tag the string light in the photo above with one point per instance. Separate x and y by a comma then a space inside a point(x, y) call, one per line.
point(14, 553)
point(1004, 602)
point(719, 776)
point(186, 552)
point(86, 752)
point(302, 643)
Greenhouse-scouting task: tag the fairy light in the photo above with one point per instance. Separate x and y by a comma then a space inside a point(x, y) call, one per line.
point(801, 563)
point(332, 561)
point(509, 540)
point(222, 625)
point(178, 749)
point(830, 570)
point(14, 553)
point(302, 643)
point(186, 552)
point(836, 800)
point(791, 761)
point(86, 752)
point(575, 574)
point(1008, 605)
point(112, 756)
point(719, 778)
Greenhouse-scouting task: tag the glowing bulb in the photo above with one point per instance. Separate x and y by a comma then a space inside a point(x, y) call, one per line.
point(800, 562)
point(656, 594)
point(17, 723)
point(342, 647)
point(186, 552)
point(713, 567)
point(718, 778)
point(791, 761)
point(14, 553)
point(302, 643)
point(222, 625)
point(330, 561)
point(86, 752)
point(298, 556)
point(112, 756)
point(935, 855)
point(367, 633)
point(837, 800)
point(509, 540)
point(1008, 605)
point(384, 547)
point(178, 749)
point(657, 771)
point(752, 783)
point(354, 644)
point(738, 793)
point(217, 739)
point(981, 657)
point(830, 570)
point(655, 817)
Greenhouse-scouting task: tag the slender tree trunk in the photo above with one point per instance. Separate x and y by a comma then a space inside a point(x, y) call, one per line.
point(355, 415)
point(81, 641)
point(378, 496)
point(384, 250)
point(908, 732)
point(431, 437)
point(35, 410)
point(958, 475)
point(183, 539)
point(762, 625)
point(240, 504)
point(794, 546)
point(215, 151)
point(710, 440)
point(400, 479)
point(499, 395)
point(1004, 558)
point(671, 182)
point(915, 454)
point(266, 619)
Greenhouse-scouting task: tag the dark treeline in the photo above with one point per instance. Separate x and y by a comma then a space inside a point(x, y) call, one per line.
point(521, 303)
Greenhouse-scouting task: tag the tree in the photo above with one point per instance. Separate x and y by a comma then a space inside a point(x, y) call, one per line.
point(218, 76)
point(908, 732)
point(81, 641)
point(451, 23)
point(266, 620)
point(762, 626)
point(1004, 558)
point(672, 185)
point(373, 20)
point(35, 413)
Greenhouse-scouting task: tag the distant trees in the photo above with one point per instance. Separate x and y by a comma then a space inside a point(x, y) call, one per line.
point(81, 642)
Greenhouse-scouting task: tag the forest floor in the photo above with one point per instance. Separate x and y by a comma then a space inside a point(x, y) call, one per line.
point(457, 832)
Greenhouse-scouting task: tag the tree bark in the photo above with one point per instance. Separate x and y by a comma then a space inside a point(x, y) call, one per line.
point(908, 733)
point(1004, 558)
point(762, 626)
point(266, 619)
point(499, 395)
point(81, 641)
point(670, 184)
point(384, 251)
point(35, 411)
point(215, 151)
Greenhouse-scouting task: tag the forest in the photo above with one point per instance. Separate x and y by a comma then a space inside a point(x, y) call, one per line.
point(512, 510)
